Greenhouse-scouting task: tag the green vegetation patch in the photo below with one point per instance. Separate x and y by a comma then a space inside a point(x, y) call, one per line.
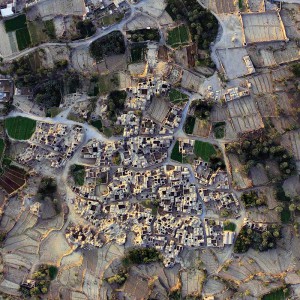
point(285, 215)
point(204, 150)
point(111, 44)
point(37, 32)
point(178, 36)
point(229, 226)
point(251, 199)
point(138, 52)
point(142, 35)
point(256, 239)
point(112, 19)
point(219, 130)
point(116, 104)
point(202, 24)
point(78, 174)
point(260, 148)
point(23, 38)
point(53, 270)
point(16, 23)
point(108, 83)
point(2, 146)
point(189, 125)
point(176, 154)
point(137, 256)
point(177, 97)
point(50, 29)
point(20, 128)
point(153, 205)
point(85, 28)
point(202, 109)
point(97, 124)
point(280, 294)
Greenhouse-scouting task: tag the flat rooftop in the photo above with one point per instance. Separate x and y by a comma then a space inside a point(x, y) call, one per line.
point(263, 27)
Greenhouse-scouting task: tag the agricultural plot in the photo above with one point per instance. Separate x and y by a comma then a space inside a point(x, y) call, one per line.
point(263, 27)
point(223, 6)
point(191, 81)
point(38, 32)
point(291, 141)
point(61, 7)
point(177, 97)
point(178, 36)
point(176, 154)
point(19, 26)
point(202, 128)
point(138, 53)
point(244, 115)
point(15, 23)
point(23, 38)
point(12, 179)
point(20, 128)
point(204, 150)
point(2, 146)
point(158, 109)
point(189, 124)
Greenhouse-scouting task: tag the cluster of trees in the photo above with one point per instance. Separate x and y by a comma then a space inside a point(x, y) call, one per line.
point(85, 28)
point(202, 23)
point(48, 85)
point(111, 44)
point(263, 148)
point(42, 278)
point(137, 256)
point(252, 199)
point(296, 69)
point(202, 109)
point(115, 104)
point(142, 35)
point(48, 190)
point(257, 240)
point(118, 278)
point(78, 174)
point(47, 187)
point(216, 161)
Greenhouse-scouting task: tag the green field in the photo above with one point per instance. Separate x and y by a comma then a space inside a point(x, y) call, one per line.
point(285, 215)
point(19, 25)
point(138, 53)
point(189, 124)
point(2, 146)
point(276, 295)
point(176, 155)
point(177, 97)
point(97, 124)
point(178, 36)
point(204, 150)
point(20, 128)
point(15, 23)
point(23, 38)
point(230, 226)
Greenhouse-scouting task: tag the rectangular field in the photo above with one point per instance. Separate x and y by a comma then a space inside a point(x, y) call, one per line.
point(177, 97)
point(15, 23)
point(176, 154)
point(23, 38)
point(178, 36)
point(20, 128)
point(204, 150)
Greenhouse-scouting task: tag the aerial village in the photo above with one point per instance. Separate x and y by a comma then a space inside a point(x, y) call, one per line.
point(129, 125)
